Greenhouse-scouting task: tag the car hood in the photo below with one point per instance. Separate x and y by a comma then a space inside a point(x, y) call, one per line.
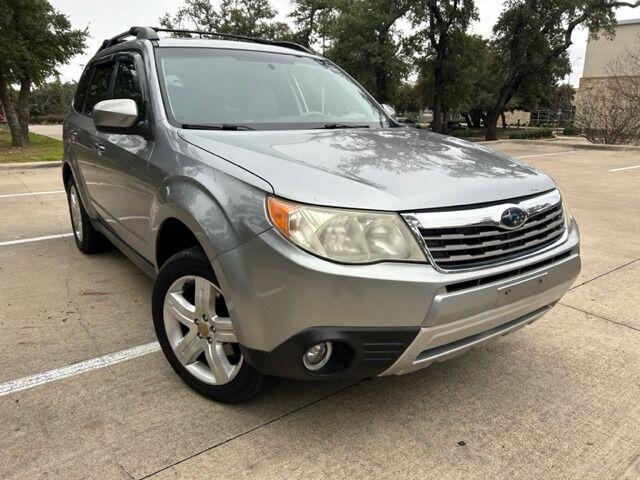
point(396, 169)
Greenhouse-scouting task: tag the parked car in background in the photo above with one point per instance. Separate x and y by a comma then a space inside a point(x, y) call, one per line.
point(409, 122)
point(291, 227)
point(456, 125)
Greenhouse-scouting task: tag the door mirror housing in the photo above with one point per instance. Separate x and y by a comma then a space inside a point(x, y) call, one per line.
point(120, 113)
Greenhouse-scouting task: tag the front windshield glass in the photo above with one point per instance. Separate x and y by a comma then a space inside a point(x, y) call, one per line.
point(261, 90)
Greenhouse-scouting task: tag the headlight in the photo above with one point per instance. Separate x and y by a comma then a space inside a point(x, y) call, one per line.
point(348, 236)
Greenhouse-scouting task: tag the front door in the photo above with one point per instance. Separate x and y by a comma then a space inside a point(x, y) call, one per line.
point(115, 165)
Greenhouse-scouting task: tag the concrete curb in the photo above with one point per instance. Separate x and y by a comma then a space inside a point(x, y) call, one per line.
point(577, 146)
point(28, 165)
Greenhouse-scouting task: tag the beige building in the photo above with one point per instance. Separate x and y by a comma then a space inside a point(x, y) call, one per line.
point(602, 55)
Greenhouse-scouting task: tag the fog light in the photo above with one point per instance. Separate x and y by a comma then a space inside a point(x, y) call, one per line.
point(317, 356)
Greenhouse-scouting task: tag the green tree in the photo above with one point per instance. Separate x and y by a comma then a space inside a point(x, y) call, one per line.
point(314, 20)
point(438, 22)
point(251, 18)
point(366, 44)
point(481, 94)
point(407, 98)
point(466, 75)
point(52, 98)
point(34, 40)
point(531, 40)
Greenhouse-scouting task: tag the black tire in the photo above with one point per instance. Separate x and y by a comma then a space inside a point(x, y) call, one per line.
point(89, 240)
point(193, 261)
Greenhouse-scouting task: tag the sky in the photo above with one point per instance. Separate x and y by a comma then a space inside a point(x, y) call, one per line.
point(106, 19)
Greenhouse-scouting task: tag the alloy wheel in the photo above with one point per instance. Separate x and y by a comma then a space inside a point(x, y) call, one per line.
point(200, 331)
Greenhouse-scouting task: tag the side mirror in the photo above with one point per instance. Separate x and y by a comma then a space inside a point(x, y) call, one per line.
point(390, 110)
point(117, 113)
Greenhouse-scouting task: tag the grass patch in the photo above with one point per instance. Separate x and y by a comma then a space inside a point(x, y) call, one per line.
point(41, 149)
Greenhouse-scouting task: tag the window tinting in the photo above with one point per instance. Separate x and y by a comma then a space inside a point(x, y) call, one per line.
point(81, 90)
point(99, 89)
point(127, 83)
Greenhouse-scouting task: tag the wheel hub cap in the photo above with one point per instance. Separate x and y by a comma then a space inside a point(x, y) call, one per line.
point(203, 329)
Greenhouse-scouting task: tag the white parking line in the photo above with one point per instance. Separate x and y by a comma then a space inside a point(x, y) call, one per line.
point(31, 381)
point(34, 239)
point(49, 192)
point(546, 154)
point(623, 168)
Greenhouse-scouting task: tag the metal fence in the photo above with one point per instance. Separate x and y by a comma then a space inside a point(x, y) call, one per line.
point(547, 117)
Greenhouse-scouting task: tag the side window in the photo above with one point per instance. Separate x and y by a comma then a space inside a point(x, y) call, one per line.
point(99, 88)
point(128, 84)
point(81, 90)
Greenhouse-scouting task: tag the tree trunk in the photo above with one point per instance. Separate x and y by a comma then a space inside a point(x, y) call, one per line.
point(491, 123)
point(445, 119)
point(17, 140)
point(24, 114)
point(439, 89)
point(504, 121)
point(436, 107)
point(467, 118)
point(506, 94)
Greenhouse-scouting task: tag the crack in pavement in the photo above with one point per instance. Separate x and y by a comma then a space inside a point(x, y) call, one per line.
point(603, 274)
point(251, 430)
point(622, 324)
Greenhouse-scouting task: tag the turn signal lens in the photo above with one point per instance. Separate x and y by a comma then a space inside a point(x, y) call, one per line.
point(279, 214)
point(349, 236)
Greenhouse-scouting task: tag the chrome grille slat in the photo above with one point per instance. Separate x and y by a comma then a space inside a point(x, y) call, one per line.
point(490, 233)
point(457, 258)
point(491, 243)
point(474, 237)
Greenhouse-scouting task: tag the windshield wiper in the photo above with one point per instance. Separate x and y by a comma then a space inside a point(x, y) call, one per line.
point(217, 126)
point(331, 126)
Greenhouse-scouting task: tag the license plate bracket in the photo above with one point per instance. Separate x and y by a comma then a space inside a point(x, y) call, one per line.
point(522, 289)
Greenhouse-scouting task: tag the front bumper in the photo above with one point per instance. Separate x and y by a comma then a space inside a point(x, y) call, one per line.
point(392, 318)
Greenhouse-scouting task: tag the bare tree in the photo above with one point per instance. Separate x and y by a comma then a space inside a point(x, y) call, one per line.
point(609, 112)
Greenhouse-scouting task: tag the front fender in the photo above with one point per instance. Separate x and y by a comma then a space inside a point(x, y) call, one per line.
point(220, 222)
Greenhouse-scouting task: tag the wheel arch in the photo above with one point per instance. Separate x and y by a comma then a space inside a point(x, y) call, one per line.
point(67, 173)
point(174, 236)
point(185, 214)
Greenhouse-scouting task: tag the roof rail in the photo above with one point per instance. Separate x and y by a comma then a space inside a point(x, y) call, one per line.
point(140, 33)
point(151, 33)
point(242, 38)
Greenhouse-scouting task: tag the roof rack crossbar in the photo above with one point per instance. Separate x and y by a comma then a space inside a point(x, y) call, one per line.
point(140, 33)
point(277, 43)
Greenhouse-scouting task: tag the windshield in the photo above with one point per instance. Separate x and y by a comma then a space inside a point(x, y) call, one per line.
point(261, 90)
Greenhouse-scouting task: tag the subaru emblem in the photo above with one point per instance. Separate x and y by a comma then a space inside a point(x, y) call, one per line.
point(513, 217)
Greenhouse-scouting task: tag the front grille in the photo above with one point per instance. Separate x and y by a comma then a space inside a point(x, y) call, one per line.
point(454, 248)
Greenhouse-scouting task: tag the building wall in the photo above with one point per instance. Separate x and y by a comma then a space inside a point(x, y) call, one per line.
point(601, 54)
point(517, 117)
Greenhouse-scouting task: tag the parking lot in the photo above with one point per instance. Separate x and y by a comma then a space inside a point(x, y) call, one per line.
point(558, 399)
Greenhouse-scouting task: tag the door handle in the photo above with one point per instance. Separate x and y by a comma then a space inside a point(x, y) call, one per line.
point(73, 134)
point(99, 147)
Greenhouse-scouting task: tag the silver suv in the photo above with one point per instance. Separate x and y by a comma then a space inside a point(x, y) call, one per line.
point(292, 227)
